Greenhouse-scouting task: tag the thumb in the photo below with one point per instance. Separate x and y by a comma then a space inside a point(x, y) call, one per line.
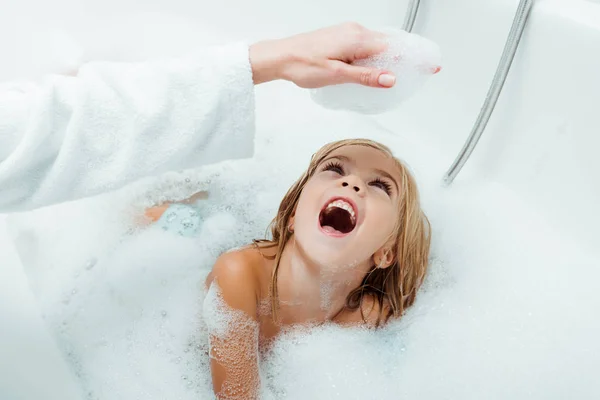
point(366, 76)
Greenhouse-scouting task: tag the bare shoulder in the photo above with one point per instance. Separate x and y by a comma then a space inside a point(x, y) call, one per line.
point(236, 265)
point(236, 273)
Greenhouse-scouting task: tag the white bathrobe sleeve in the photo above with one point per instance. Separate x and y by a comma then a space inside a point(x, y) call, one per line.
point(114, 123)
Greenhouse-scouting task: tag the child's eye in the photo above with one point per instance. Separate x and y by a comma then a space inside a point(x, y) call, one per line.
point(335, 167)
point(386, 187)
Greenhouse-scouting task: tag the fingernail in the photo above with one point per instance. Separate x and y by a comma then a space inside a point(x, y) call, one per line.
point(386, 80)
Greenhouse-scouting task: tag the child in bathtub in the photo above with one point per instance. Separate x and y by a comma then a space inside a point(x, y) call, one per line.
point(349, 245)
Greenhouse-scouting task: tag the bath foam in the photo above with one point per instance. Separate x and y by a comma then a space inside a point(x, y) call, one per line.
point(412, 59)
point(127, 314)
point(364, 365)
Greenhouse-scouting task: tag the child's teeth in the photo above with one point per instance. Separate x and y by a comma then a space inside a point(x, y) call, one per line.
point(343, 205)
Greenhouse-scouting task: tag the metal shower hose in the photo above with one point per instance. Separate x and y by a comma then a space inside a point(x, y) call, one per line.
point(510, 48)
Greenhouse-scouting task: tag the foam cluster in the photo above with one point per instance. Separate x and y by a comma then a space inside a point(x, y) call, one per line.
point(410, 57)
point(127, 310)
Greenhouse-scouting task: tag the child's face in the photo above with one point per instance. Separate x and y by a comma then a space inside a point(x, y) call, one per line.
point(349, 208)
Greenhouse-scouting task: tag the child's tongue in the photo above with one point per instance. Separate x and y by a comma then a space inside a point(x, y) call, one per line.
point(330, 229)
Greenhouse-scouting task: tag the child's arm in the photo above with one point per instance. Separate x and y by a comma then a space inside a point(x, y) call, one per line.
point(230, 310)
point(117, 122)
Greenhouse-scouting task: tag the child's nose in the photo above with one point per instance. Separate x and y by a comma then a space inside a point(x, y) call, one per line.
point(357, 186)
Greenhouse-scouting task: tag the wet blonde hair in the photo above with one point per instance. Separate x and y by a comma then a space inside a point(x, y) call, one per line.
point(394, 288)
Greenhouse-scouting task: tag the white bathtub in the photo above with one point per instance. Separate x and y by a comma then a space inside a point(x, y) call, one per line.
point(541, 140)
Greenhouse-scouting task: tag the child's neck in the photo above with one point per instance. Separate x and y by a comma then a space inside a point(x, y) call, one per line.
point(312, 292)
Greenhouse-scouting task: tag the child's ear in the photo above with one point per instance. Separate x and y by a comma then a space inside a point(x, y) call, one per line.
point(290, 225)
point(384, 257)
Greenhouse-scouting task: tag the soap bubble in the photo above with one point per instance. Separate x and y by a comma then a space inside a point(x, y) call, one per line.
point(410, 57)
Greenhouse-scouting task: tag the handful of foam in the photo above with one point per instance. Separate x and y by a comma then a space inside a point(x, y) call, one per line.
point(410, 57)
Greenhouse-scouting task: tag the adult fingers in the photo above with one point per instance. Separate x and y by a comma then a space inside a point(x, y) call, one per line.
point(365, 76)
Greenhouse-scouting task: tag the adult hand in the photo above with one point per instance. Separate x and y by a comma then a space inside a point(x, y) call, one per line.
point(321, 58)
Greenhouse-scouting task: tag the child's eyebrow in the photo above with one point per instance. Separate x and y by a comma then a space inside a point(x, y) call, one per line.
point(378, 171)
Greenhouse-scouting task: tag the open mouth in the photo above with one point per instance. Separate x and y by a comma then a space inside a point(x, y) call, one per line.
point(338, 217)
